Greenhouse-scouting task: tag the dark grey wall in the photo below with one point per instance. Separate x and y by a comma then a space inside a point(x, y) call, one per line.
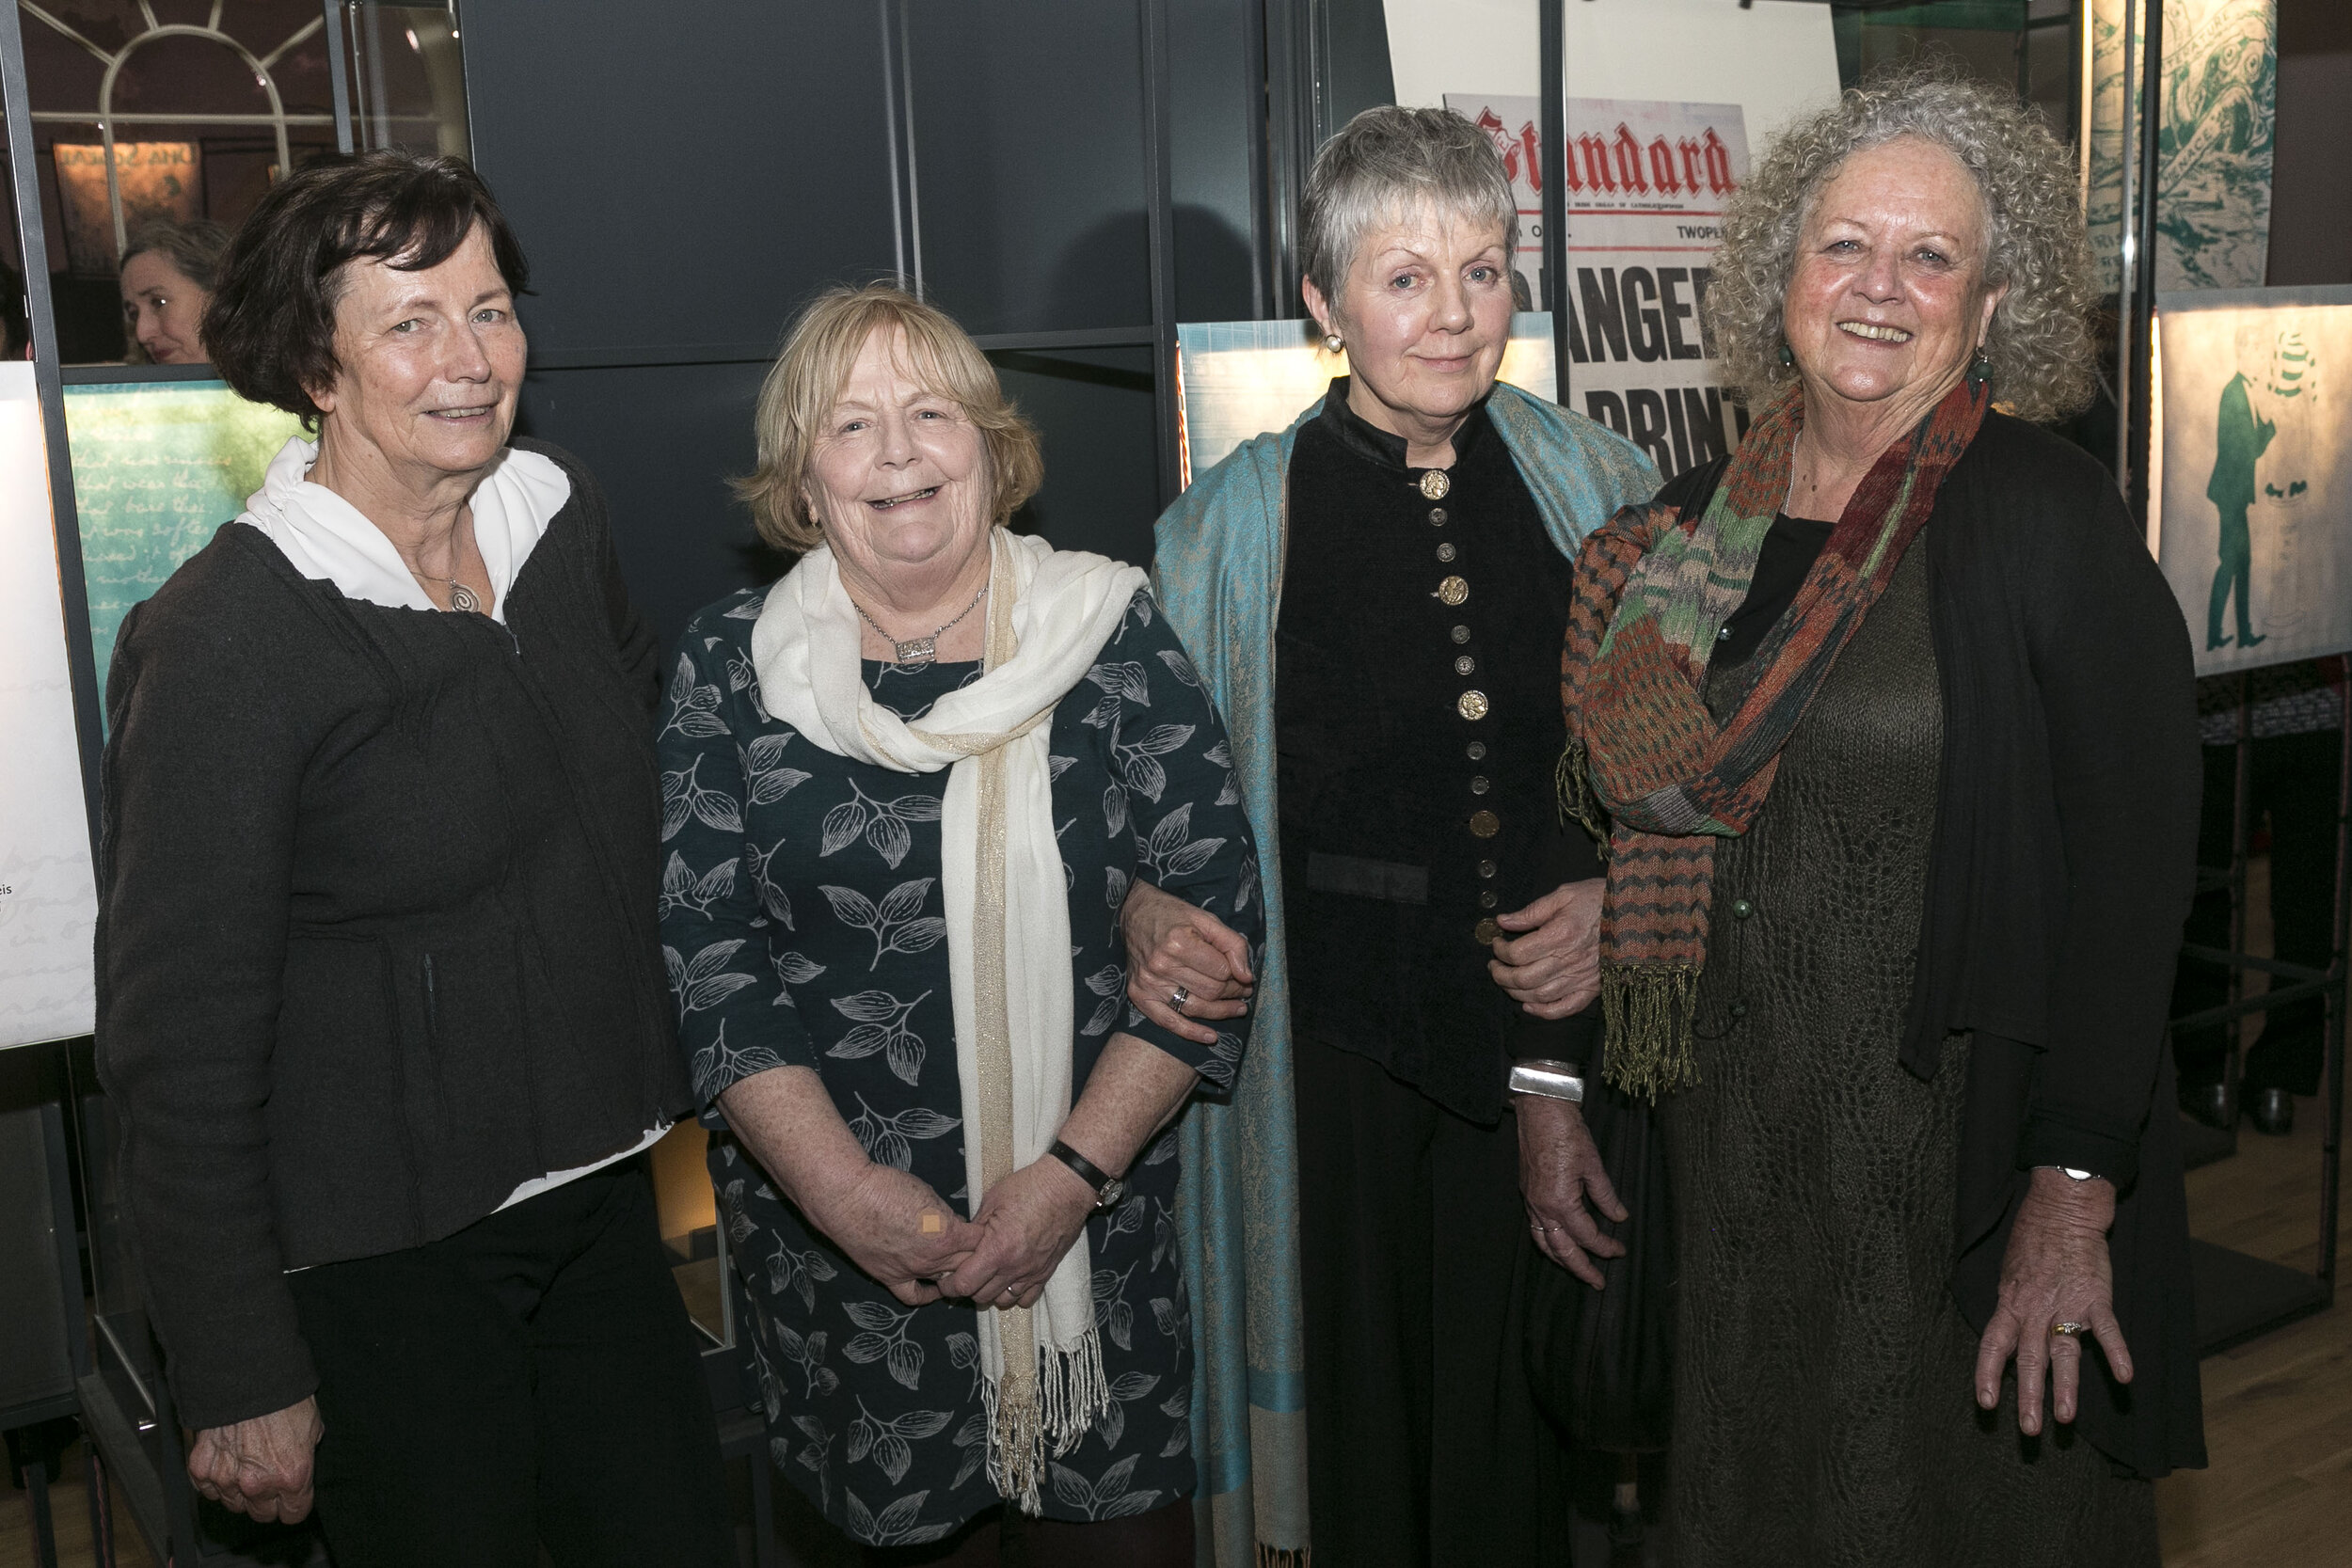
point(682, 177)
point(685, 176)
point(2311, 178)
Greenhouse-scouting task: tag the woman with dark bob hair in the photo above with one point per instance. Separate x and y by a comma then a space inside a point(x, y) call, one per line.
point(381, 1000)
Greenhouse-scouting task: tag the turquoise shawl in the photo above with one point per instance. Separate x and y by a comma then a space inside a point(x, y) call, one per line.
point(1220, 577)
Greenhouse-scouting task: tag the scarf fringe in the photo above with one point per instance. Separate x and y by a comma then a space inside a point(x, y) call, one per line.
point(1572, 784)
point(1070, 1392)
point(1647, 1016)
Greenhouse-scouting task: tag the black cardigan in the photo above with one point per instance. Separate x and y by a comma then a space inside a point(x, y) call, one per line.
point(376, 934)
point(2061, 875)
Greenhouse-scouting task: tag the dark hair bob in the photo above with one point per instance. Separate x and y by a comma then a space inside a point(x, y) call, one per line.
point(271, 325)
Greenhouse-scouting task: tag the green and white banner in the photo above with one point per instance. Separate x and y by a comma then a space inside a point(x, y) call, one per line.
point(2218, 85)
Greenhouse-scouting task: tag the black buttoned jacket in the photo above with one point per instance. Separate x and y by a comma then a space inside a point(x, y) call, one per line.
point(1400, 718)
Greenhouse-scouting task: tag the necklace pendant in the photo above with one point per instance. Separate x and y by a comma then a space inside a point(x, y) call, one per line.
point(914, 652)
point(463, 598)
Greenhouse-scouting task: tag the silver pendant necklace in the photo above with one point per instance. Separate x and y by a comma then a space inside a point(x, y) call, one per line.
point(461, 598)
point(917, 651)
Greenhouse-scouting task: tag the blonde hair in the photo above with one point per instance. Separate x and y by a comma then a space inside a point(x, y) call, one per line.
point(797, 399)
point(2041, 343)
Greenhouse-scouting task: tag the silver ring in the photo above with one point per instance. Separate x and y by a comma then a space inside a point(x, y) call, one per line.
point(1179, 998)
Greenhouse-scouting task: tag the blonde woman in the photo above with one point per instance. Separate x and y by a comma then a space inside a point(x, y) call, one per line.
point(908, 789)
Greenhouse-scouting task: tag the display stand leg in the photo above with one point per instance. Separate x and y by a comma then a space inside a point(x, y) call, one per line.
point(101, 1513)
point(44, 1525)
point(2241, 856)
point(2331, 1069)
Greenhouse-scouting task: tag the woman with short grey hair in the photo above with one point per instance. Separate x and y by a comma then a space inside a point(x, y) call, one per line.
point(1401, 556)
point(1887, 717)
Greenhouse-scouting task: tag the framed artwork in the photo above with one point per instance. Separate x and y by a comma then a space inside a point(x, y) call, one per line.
point(158, 180)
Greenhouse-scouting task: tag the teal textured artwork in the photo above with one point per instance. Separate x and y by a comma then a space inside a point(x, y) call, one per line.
point(2215, 113)
point(158, 466)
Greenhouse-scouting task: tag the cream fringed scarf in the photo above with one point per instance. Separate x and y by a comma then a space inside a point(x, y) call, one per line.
point(1049, 613)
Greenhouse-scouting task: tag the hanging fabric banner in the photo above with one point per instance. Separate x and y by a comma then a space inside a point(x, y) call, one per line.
point(2251, 485)
point(2214, 138)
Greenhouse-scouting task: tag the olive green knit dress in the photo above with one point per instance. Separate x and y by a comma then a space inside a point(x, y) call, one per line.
point(1824, 1411)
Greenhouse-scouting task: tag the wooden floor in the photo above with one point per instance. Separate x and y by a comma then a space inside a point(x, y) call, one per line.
point(2278, 1412)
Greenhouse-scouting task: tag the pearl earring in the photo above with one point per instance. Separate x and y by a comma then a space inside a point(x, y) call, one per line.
point(1334, 342)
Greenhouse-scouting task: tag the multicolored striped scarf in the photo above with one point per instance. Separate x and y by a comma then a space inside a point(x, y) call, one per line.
point(1647, 767)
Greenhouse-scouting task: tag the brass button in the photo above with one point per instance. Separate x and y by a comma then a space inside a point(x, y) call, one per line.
point(1436, 516)
point(1461, 634)
point(1464, 665)
point(1452, 590)
point(1434, 484)
point(1485, 868)
point(1478, 750)
point(1741, 908)
point(1445, 552)
point(1470, 705)
point(1478, 785)
point(1486, 900)
point(1486, 824)
point(1485, 932)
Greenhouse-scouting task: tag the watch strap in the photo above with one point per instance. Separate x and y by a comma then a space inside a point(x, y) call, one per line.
point(1085, 1169)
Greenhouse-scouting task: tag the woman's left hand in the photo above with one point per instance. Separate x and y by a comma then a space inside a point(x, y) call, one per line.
point(1553, 968)
point(2056, 1270)
point(1029, 1221)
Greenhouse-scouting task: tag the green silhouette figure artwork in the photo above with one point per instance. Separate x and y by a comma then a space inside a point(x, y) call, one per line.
point(2239, 439)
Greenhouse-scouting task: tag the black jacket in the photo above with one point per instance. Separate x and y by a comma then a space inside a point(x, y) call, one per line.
point(2060, 877)
point(1378, 767)
point(376, 934)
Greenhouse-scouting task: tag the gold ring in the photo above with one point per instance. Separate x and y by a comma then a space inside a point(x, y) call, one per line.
point(2070, 1329)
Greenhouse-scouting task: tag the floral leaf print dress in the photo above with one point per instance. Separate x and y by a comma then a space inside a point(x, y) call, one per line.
point(803, 925)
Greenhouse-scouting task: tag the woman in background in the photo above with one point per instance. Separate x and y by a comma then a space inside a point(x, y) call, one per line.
point(167, 278)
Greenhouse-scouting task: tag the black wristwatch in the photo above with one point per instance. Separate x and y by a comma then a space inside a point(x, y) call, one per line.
point(1109, 1190)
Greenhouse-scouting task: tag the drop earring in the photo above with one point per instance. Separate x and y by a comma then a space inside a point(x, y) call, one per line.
point(1980, 368)
point(1787, 356)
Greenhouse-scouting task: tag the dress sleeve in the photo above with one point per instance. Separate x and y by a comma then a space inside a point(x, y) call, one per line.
point(2111, 655)
point(730, 979)
point(204, 786)
point(1173, 763)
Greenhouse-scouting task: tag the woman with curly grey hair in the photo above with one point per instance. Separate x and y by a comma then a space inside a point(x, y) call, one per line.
point(1888, 721)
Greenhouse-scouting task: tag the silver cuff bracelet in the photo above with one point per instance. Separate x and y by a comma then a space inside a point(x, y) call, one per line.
point(1549, 1081)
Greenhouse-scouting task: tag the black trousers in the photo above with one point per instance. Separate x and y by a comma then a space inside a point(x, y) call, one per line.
point(533, 1378)
point(1424, 1449)
point(2293, 785)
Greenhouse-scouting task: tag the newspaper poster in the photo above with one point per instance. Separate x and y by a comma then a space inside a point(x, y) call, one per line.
point(48, 899)
point(2253, 479)
point(1516, 126)
point(1646, 185)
